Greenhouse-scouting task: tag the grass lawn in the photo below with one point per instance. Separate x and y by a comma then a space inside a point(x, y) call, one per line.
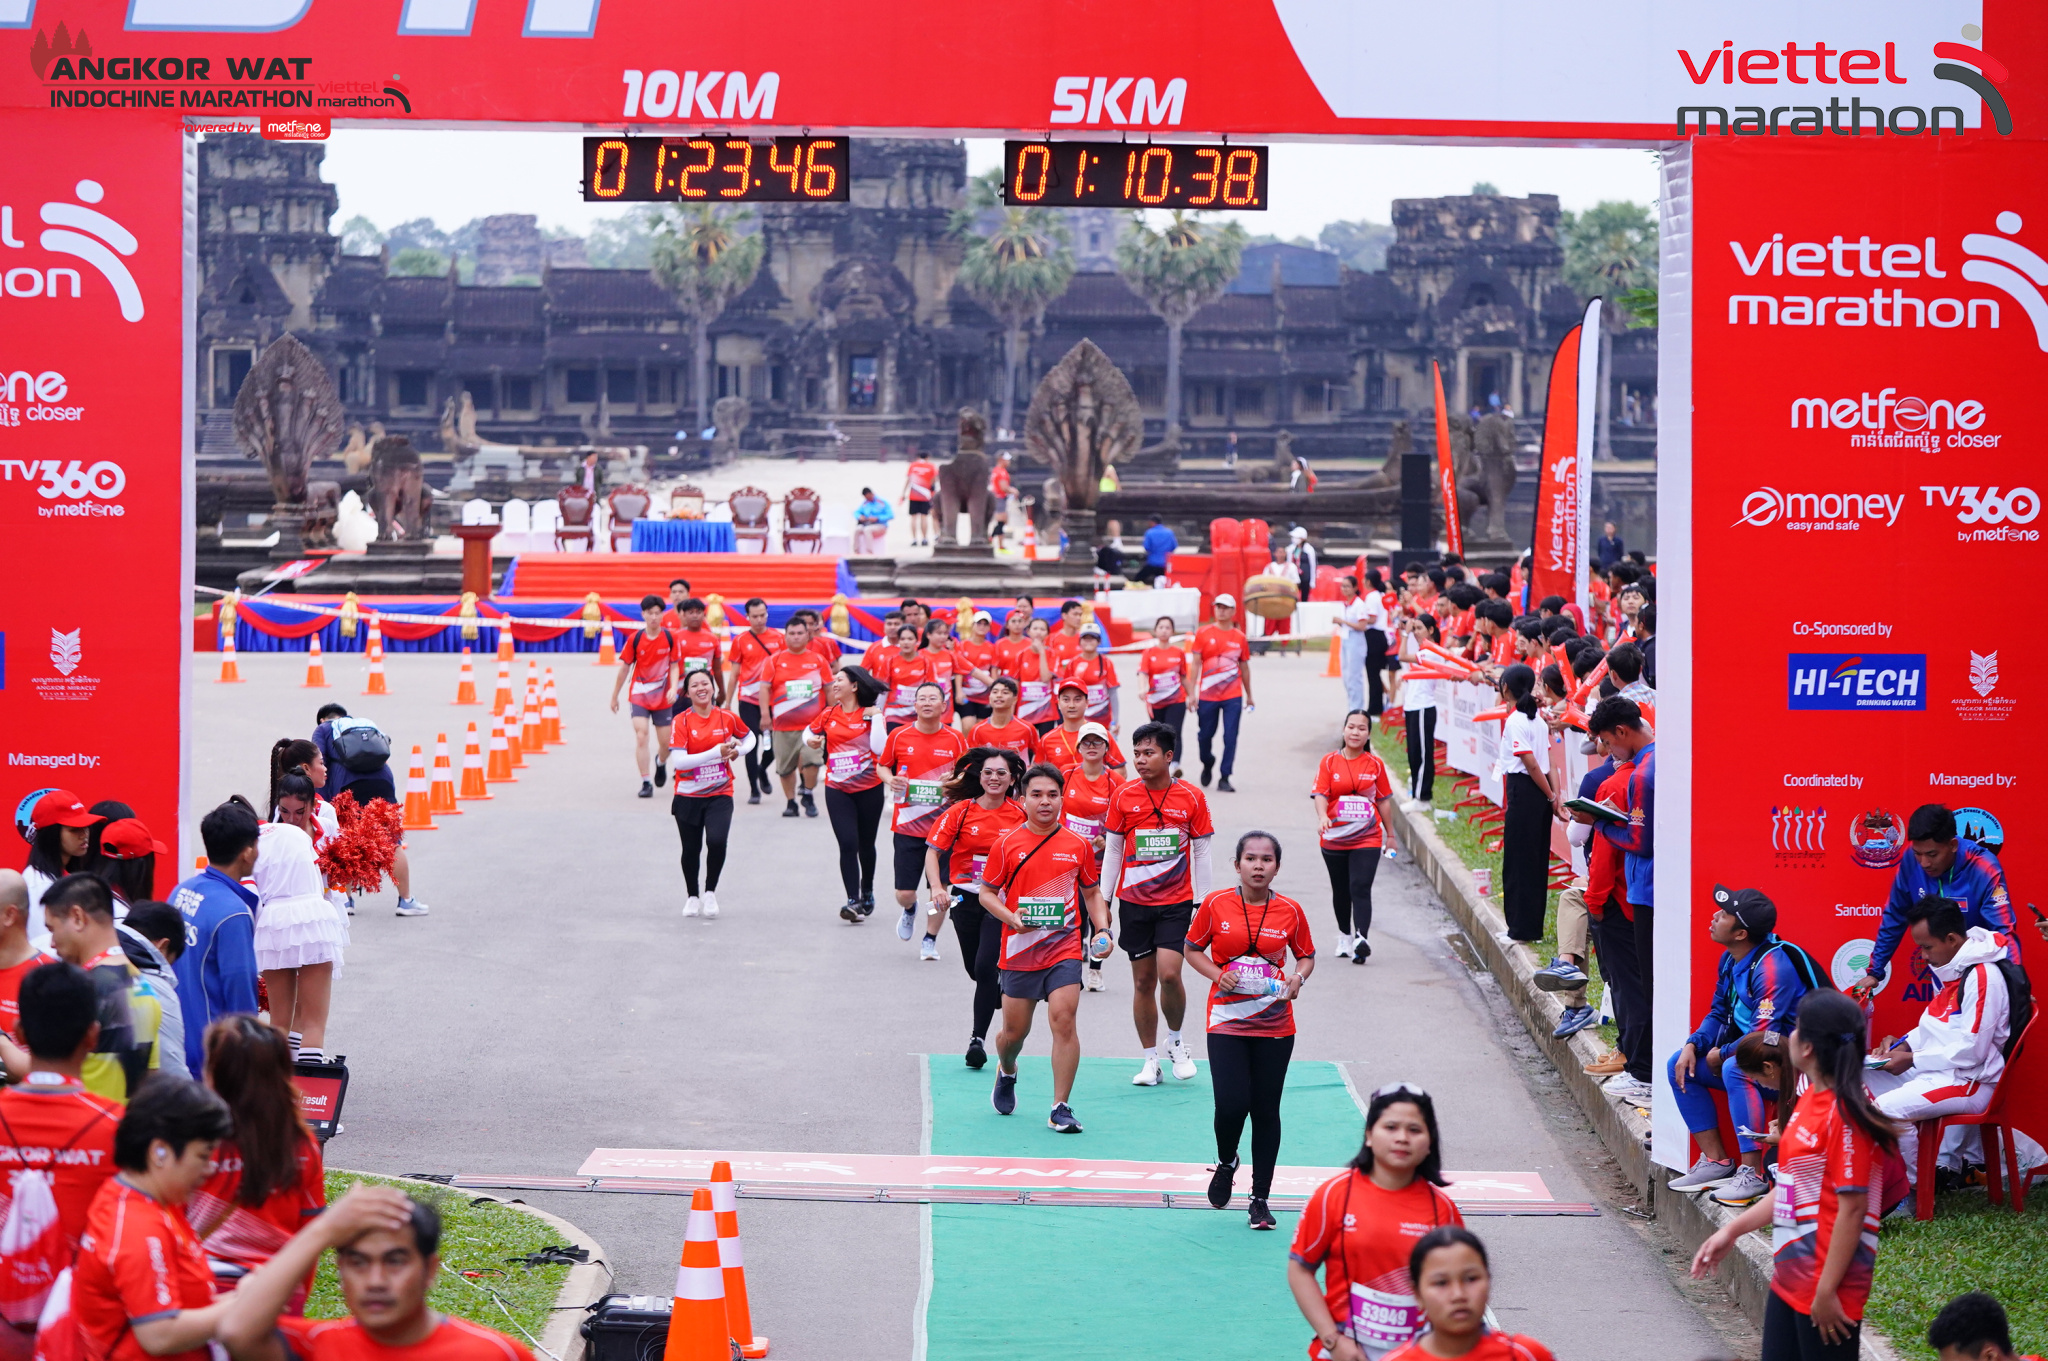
point(474, 1238)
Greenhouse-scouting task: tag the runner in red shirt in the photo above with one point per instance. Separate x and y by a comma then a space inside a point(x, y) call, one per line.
point(1156, 858)
point(1454, 1282)
point(1091, 783)
point(1224, 658)
point(1354, 797)
point(697, 647)
point(17, 955)
point(651, 661)
point(1361, 1228)
point(707, 739)
point(1065, 643)
point(1823, 1215)
point(141, 1287)
point(746, 656)
point(1061, 746)
point(1097, 673)
point(875, 659)
point(849, 735)
point(919, 483)
point(974, 664)
point(1037, 881)
point(1239, 941)
point(1164, 670)
point(902, 668)
point(386, 1256)
point(1002, 729)
point(823, 645)
point(678, 592)
point(795, 678)
point(938, 652)
point(981, 809)
point(918, 758)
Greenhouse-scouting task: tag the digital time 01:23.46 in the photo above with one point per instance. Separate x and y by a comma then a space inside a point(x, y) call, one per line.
point(715, 169)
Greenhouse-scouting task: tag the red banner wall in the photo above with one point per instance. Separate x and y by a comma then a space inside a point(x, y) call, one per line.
point(1863, 503)
point(92, 485)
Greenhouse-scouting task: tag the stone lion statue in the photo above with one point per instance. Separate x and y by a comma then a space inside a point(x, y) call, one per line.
point(963, 483)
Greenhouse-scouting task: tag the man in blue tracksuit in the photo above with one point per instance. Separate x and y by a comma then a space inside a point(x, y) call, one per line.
point(217, 972)
point(1942, 865)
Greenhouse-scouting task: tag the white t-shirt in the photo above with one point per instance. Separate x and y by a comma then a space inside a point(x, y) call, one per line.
point(1524, 733)
point(1417, 695)
point(1356, 612)
point(1374, 615)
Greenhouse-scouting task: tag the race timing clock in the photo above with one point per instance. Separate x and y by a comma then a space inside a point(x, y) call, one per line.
point(715, 169)
point(1130, 175)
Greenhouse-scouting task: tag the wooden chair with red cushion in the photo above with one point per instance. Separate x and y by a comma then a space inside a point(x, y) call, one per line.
point(686, 502)
point(629, 503)
point(578, 508)
point(800, 512)
point(750, 515)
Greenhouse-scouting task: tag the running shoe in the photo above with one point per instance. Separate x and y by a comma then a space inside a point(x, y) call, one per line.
point(1560, 975)
point(1092, 981)
point(851, 911)
point(928, 948)
point(1062, 1120)
point(1259, 1217)
point(693, 906)
point(867, 904)
point(905, 927)
point(646, 789)
point(754, 797)
point(1148, 1074)
point(710, 905)
point(1361, 949)
point(810, 805)
point(1183, 1062)
point(977, 1052)
point(351, 904)
point(1629, 1089)
point(660, 774)
point(1220, 1179)
point(1224, 786)
point(1705, 1175)
point(1573, 1021)
point(789, 810)
point(1746, 1187)
point(411, 907)
point(1004, 1097)
point(1208, 769)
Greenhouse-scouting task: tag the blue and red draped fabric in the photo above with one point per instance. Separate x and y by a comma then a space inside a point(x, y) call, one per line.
point(282, 625)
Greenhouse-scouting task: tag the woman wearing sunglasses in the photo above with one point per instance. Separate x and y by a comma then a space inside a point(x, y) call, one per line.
point(1361, 1227)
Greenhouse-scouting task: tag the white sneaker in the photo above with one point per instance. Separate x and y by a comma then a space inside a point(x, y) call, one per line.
point(1629, 1090)
point(904, 929)
point(1746, 1187)
point(928, 948)
point(1705, 1175)
point(710, 905)
point(411, 907)
point(1183, 1061)
point(693, 907)
point(1092, 981)
point(1148, 1075)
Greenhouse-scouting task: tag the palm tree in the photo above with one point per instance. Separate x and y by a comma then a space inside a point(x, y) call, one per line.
point(1178, 271)
point(1015, 271)
point(702, 258)
point(1610, 251)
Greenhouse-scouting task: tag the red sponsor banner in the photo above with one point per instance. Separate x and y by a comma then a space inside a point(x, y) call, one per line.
point(1446, 471)
point(92, 483)
point(1557, 546)
point(297, 128)
point(1869, 341)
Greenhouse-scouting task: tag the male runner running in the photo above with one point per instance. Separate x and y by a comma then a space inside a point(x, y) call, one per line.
point(903, 669)
point(698, 647)
point(1036, 880)
point(1156, 857)
point(919, 756)
point(651, 660)
point(796, 678)
point(1004, 728)
point(746, 657)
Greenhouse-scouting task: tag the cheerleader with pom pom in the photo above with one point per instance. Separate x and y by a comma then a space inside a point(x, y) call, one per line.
point(299, 935)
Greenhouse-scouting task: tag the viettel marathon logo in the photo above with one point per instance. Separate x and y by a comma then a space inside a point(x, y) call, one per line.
point(1794, 64)
point(83, 233)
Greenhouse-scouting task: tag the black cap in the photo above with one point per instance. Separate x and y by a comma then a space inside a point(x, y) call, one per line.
point(1743, 904)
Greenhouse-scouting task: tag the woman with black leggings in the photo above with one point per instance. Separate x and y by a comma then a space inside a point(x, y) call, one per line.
point(705, 742)
point(1239, 941)
point(979, 809)
point(1354, 796)
point(849, 732)
point(1531, 805)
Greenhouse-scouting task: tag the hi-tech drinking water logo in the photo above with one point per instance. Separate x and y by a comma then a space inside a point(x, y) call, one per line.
point(83, 233)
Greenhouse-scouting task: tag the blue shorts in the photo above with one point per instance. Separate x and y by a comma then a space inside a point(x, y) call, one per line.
point(1038, 985)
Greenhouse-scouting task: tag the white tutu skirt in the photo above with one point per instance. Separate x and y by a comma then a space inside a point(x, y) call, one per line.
point(297, 930)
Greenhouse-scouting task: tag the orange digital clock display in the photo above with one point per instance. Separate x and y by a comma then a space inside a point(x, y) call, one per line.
point(1124, 175)
point(715, 169)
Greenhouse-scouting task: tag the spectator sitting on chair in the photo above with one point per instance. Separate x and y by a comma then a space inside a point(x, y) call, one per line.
point(1758, 987)
point(1942, 865)
point(1973, 1327)
point(871, 521)
point(1949, 1063)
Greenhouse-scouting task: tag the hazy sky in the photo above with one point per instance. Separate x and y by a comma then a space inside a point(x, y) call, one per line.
point(392, 176)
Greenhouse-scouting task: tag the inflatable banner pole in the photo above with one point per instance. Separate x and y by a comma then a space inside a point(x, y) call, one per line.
point(1563, 494)
point(1446, 474)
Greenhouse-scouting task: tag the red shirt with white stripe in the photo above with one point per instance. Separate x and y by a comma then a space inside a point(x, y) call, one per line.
point(1232, 930)
point(1354, 788)
point(1493, 1346)
point(1165, 670)
point(750, 652)
point(967, 831)
point(694, 734)
point(1062, 748)
point(796, 684)
point(1159, 829)
point(970, 656)
point(1041, 879)
point(1361, 1236)
point(1822, 1155)
point(1084, 803)
point(926, 760)
point(849, 749)
point(1021, 738)
point(1098, 674)
point(1224, 653)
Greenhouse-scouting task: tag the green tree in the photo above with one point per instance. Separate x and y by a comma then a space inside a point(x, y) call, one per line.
point(1361, 244)
point(1015, 268)
point(359, 236)
point(1485, 187)
point(623, 242)
point(1178, 270)
point(704, 260)
point(1610, 252)
point(419, 263)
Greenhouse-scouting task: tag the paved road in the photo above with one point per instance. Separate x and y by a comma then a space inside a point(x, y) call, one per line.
point(556, 1001)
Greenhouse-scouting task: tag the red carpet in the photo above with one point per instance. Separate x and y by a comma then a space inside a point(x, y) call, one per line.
point(801, 577)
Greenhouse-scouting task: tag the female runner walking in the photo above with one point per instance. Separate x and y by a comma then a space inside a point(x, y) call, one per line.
point(1239, 941)
point(1361, 1228)
point(849, 732)
point(974, 663)
point(981, 808)
point(703, 743)
point(1354, 797)
point(918, 757)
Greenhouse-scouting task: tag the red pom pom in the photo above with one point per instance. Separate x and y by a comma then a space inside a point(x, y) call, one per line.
point(356, 859)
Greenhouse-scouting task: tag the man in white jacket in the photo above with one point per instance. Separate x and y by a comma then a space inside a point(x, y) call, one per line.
point(1949, 1063)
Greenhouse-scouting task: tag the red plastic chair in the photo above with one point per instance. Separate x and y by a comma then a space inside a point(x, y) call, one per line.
point(2028, 1102)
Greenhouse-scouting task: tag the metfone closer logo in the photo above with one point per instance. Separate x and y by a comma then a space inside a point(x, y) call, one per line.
point(1860, 680)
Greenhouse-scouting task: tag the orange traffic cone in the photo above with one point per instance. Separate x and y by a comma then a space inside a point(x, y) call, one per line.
point(504, 695)
point(472, 769)
point(465, 684)
point(505, 642)
point(697, 1329)
point(499, 770)
point(316, 667)
point(1030, 541)
point(376, 646)
point(529, 719)
point(516, 749)
point(419, 811)
point(550, 714)
point(441, 793)
point(607, 651)
point(725, 1205)
point(230, 674)
point(1335, 666)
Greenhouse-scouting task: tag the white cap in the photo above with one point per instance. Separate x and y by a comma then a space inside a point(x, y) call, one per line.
point(1226, 598)
point(1090, 627)
point(1297, 533)
point(1089, 730)
point(982, 617)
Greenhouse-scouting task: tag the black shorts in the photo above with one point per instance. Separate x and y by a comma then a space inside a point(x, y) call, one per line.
point(975, 709)
point(909, 862)
point(1150, 927)
point(918, 507)
point(373, 787)
point(661, 718)
point(1038, 985)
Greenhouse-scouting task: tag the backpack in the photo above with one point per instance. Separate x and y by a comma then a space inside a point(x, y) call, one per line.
point(2019, 1001)
point(360, 746)
point(1805, 965)
point(32, 1247)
